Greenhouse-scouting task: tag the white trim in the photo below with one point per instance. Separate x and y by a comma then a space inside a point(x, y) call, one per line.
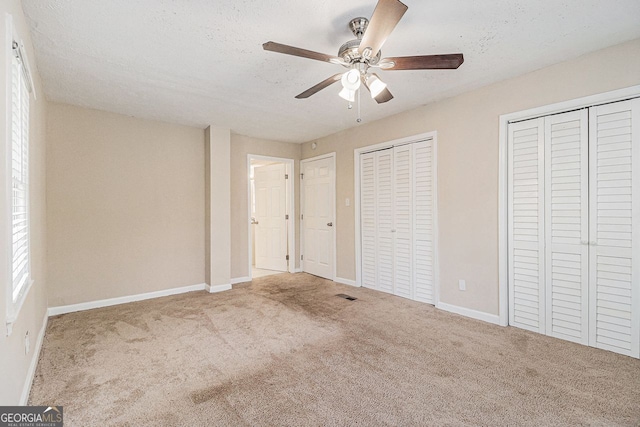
point(54, 311)
point(574, 104)
point(503, 235)
point(237, 280)
point(345, 281)
point(503, 203)
point(5, 170)
point(436, 225)
point(331, 155)
point(356, 208)
point(217, 288)
point(291, 196)
point(356, 179)
point(26, 389)
point(320, 157)
point(298, 270)
point(467, 312)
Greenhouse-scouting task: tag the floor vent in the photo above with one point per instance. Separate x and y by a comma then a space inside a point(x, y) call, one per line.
point(345, 296)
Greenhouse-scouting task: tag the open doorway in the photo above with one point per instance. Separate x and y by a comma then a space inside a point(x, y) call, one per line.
point(271, 225)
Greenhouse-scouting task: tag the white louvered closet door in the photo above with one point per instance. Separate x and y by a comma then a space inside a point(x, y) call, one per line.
point(385, 216)
point(615, 227)
point(368, 219)
point(424, 231)
point(526, 225)
point(397, 188)
point(403, 220)
point(567, 225)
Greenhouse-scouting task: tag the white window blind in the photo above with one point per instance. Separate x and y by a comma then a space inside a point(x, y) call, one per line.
point(19, 175)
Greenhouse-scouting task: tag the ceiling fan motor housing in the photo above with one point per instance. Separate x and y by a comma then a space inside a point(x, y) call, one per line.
point(350, 53)
point(350, 50)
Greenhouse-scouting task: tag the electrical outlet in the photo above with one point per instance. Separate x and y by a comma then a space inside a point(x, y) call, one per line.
point(27, 343)
point(462, 285)
point(347, 202)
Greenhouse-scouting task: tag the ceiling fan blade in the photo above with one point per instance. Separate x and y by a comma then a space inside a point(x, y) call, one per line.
point(423, 62)
point(317, 88)
point(384, 19)
point(384, 96)
point(304, 53)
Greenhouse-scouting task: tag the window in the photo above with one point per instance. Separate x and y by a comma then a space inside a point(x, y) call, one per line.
point(19, 175)
point(19, 90)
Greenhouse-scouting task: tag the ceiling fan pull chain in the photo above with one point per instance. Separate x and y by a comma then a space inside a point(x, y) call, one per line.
point(358, 119)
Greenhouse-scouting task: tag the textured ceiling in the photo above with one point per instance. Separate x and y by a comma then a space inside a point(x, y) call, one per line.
point(200, 62)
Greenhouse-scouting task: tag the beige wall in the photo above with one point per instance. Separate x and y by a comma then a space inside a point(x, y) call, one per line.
point(467, 127)
point(217, 147)
point(14, 364)
point(126, 205)
point(241, 146)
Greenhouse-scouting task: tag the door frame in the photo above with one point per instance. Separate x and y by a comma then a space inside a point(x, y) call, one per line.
point(291, 209)
point(503, 182)
point(331, 156)
point(356, 180)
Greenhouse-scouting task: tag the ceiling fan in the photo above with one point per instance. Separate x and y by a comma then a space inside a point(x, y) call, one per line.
point(363, 53)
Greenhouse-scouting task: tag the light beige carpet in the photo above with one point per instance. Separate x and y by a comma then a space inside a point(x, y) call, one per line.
point(285, 350)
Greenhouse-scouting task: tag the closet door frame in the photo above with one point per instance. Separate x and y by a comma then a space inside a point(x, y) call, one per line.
point(503, 182)
point(356, 168)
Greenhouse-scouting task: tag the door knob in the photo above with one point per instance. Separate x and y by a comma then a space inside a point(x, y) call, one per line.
point(330, 224)
point(253, 221)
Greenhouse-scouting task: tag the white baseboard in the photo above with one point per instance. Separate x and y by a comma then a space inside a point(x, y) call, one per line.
point(297, 270)
point(54, 311)
point(474, 314)
point(217, 288)
point(345, 281)
point(26, 389)
point(240, 280)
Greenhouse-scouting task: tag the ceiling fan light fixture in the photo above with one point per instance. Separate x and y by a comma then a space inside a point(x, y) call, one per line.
point(348, 95)
point(376, 86)
point(351, 80)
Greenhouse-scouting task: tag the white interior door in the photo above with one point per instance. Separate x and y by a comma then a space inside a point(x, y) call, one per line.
point(271, 227)
point(318, 188)
point(386, 230)
point(424, 246)
point(403, 220)
point(574, 226)
point(526, 225)
point(567, 225)
point(615, 227)
point(397, 220)
point(368, 220)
